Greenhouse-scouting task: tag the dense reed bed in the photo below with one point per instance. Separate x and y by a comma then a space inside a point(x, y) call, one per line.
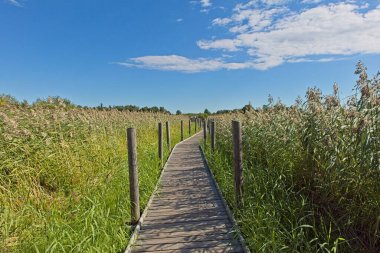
point(64, 175)
point(311, 172)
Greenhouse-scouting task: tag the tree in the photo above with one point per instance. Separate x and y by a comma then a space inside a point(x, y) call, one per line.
point(178, 112)
point(207, 111)
point(248, 107)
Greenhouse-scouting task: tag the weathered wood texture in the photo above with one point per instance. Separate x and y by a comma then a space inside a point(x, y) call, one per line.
point(213, 135)
point(187, 213)
point(133, 175)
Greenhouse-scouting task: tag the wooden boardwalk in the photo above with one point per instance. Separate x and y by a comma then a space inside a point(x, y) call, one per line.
point(187, 213)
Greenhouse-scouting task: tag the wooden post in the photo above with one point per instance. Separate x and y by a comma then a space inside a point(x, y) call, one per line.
point(160, 146)
point(189, 127)
point(205, 130)
point(213, 135)
point(168, 134)
point(238, 159)
point(133, 176)
point(209, 127)
point(196, 122)
point(181, 130)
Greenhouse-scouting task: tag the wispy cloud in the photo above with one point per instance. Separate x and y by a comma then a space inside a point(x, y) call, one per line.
point(14, 2)
point(224, 44)
point(206, 3)
point(179, 19)
point(182, 64)
point(311, 1)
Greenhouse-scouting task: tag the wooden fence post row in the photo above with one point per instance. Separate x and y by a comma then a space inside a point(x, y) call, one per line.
point(133, 175)
point(238, 159)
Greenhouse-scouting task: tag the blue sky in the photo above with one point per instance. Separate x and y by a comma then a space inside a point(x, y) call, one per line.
point(188, 54)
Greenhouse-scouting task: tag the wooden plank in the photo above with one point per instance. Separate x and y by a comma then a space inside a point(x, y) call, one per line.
point(177, 180)
point(188, 193)
point(200, 206)
point(174, 214)
point(206, 196)
point(183, 190)
point(190, 218)
point(181, 178)
point(161, 210)
point(188, 226)
point(186, 172)
point(183, 204)
point(192, 184)
point(180, 192)
point(188, 245)
point(228, 249)
point(205, 232)
point(177, 239)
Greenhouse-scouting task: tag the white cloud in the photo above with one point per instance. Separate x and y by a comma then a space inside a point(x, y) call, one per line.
point(179, 19)
point(258, 3)
point(221, 21)
point(224, 44)
point(311, 1)
point(275, 2)
point(206, 3)
point(277, 35)
point(182, 64)
point(15, 3)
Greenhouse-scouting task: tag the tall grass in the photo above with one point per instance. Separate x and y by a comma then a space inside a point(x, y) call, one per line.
point(64, 176)
point(311, 172)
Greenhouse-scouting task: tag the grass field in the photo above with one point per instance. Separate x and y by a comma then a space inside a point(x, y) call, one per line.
point(64, 176)
point(311, 172)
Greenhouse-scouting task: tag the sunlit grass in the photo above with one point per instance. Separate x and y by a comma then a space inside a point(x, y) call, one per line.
point(311, 172)
point(64, 176)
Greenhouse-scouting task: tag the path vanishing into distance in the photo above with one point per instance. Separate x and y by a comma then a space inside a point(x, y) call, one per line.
point(187, 212)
